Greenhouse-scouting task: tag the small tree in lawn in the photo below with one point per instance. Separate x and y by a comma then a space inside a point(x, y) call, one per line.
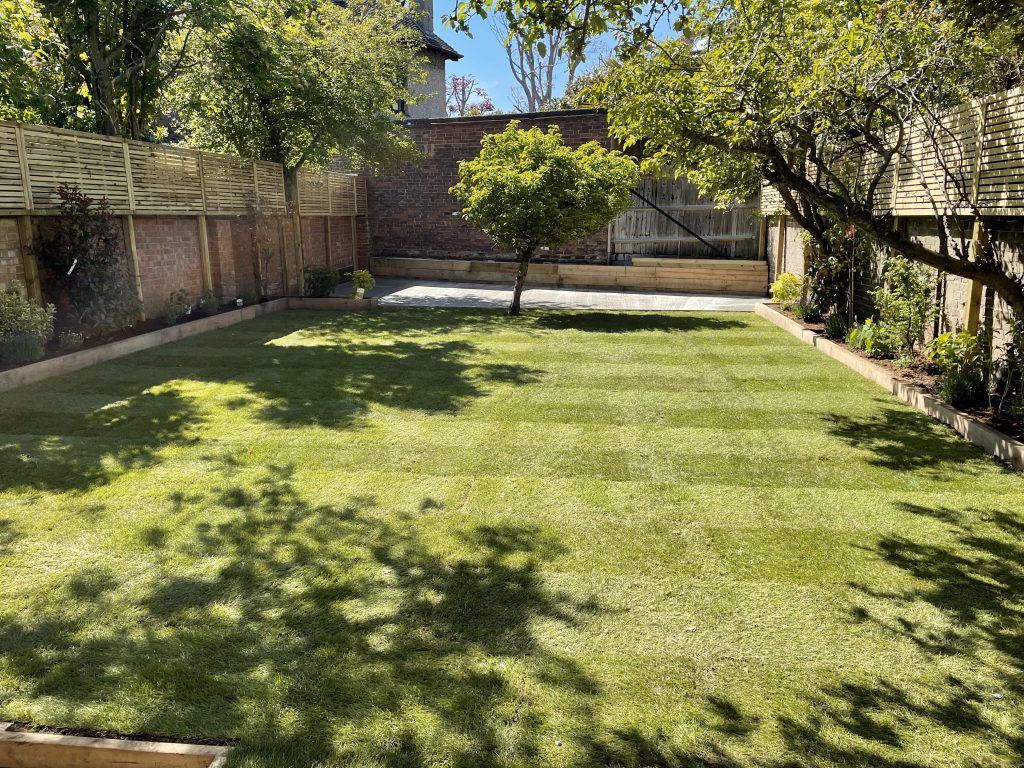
point(527, 189)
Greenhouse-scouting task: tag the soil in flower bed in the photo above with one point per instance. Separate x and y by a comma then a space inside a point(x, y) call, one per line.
point(923, 374)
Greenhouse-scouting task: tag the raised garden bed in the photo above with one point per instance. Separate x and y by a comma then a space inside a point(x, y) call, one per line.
point(22, 747)
point(913, 390)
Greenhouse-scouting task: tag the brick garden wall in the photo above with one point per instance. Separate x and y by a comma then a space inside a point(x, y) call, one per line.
point(170, 259)
point(410, 210)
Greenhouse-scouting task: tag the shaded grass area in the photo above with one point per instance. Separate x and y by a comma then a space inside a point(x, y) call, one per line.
point(444, 538)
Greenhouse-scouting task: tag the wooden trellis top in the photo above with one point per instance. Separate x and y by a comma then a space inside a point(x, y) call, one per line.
point(137, 177)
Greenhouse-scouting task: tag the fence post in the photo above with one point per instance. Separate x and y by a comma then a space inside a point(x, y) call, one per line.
point(204, 237)
point(972, 306)
point(28, 259)
point(780, 246)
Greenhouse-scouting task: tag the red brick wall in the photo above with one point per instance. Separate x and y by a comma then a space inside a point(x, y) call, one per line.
point(10, 254)
point(410, 210)
point(314, 239)
point(169, 259)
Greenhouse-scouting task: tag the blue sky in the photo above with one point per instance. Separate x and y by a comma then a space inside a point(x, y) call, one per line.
point(484, 57)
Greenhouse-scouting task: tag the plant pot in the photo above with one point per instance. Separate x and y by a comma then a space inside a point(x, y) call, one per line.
point(360, 292)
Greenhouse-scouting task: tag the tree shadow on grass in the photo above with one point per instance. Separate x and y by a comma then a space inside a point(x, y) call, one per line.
point(633, 322)
point(314, 633)
point(60, 451)
point(906, 441)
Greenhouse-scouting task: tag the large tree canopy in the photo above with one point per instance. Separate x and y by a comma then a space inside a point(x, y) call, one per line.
point(812, 95)
point(301, 84)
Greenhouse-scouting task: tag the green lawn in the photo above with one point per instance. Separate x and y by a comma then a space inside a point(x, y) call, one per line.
point(444, 538)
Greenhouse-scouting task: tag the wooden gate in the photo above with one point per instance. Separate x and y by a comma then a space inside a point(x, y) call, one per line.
point(645, 230)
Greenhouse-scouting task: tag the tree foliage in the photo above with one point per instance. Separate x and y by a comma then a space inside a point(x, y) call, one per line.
point(527, 189)
point(302, 83)
point(465, 96)
point(816, 96)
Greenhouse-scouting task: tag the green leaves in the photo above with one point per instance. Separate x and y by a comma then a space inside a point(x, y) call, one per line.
point(527, 188)
point(302, 84)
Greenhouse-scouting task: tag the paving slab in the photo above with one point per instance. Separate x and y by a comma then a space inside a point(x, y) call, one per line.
point(413, 293)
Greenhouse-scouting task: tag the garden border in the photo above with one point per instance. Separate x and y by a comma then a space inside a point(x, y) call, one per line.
point(30, 749)
point(987, 438)
point(58, 366)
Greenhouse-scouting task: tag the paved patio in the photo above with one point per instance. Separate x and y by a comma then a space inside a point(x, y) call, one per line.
point(410, 293)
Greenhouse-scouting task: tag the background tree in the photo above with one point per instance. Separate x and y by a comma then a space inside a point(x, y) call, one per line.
point(465, 96)
point(527, 189)
point(114, 57)
point(301, 84)
point(816, 96)
point(538, 66)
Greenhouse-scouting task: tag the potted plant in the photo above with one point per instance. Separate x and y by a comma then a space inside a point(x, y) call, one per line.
point(363, 281)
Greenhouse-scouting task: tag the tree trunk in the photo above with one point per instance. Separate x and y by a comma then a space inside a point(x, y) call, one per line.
point(517, 292)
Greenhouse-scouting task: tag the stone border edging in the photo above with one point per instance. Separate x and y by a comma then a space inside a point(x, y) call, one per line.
point(987, 438)
point(58, 366)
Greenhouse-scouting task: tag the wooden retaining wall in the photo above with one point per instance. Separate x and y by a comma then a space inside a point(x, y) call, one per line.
point(731, 277)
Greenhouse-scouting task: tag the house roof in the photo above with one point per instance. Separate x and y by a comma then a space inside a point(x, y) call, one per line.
point(433, 42)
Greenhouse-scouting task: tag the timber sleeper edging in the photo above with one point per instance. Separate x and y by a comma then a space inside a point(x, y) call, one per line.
point(31, 749)
point(989, 439)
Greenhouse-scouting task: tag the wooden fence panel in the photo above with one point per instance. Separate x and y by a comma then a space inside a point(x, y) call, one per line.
point(270, 186)
point(314, 192)
point(642, 229)
point(166, 180)
point(229, 184)
point(56, 157)
point(12, 187)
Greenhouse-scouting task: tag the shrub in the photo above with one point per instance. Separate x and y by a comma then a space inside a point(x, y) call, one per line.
point(86, 260)
point(1009, 379)
point(248, 297)
point(210, 303)
point(176, 307)
point(905, 303)
point(319, 281)
point(837, 326)
point(959, 357)
point(787, 290)
point(69, 341)
point(805, 311)
point(362, 278)
point(25, 327)
point(21, 347)
point(870, 337)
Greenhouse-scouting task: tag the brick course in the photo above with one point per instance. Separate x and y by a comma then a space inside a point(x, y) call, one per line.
point(10, 254)
point(169, 260)
point(410, 210)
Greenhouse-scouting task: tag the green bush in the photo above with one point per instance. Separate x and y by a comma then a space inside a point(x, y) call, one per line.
point(21, 347)
point(906, 303)
point(960, 359)
point(362, 278)
point(1009, 378)
point(70, 341)
point(25, 327)
point(319, 281)
point(176, 307)
point(805, 311)
point(210, 303)
point(248, 297)
point(837, 326)
point(85, 256)
point(787, 290)
point(871, 337)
